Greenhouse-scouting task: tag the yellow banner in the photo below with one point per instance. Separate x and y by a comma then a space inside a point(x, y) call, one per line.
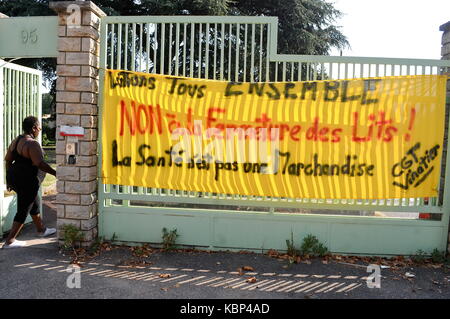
point(368, 138)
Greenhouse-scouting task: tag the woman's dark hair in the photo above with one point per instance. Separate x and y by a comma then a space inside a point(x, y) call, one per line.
point(28, 123)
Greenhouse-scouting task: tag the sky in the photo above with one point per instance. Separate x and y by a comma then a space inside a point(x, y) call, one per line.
point(393, 28)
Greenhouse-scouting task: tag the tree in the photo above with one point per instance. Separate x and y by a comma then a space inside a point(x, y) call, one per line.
point(47, 103)
point(305, 26)
point(19, 8)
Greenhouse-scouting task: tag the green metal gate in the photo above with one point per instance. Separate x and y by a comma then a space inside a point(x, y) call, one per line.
point(245, 49)
point(20, 96)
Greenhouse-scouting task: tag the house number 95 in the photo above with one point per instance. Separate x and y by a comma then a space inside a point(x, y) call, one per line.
point(29, 36)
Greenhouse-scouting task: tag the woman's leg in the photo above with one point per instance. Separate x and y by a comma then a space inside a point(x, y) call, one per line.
point(16, 227)
point(26, 197)
point(38, 223)
point(35, 215)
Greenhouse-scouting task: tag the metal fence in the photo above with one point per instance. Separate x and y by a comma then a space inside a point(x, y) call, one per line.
point(242, 49)
point(20, 96)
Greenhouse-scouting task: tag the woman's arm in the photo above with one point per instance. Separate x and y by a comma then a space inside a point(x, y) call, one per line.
point(37, 157)
point(43, 166)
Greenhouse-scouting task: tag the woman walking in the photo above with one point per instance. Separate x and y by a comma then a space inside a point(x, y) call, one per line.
point(25, 169)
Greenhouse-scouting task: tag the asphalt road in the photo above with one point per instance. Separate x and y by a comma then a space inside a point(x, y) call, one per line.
point(42, 271)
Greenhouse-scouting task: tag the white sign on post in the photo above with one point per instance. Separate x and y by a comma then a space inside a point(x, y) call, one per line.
point(71, 130)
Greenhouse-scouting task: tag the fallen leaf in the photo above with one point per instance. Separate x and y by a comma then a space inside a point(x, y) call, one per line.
point(164, 289)
point(437, 266)
point(272, 253)
point(410, 275)
point(325, 262)
point(240, 271)
point(251, 280)
point(248, 268)
point(164, 276)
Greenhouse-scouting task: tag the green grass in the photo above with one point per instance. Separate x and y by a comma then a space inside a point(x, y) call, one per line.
point(49, 179)
point(50, 155)
point(50, 158)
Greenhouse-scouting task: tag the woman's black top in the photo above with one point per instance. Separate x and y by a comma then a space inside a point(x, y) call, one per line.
point(22, 170)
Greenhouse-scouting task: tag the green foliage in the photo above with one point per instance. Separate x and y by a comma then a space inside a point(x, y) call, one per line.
point(305, 26)
point(142, 251)
point(165, 7)
point(48, 104)
point(46, 141)
point(49, 123)
point(419, 257)
point(96, 245)
point(49, 152)
point(25, 8)
point(169, 238)
point(139, 251)
point(311, 246)
point(291, 250)
point(438, 257)
point(72, 236)
point(49, 129)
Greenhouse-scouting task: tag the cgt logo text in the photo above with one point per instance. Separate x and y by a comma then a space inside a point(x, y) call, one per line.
point(233, 308)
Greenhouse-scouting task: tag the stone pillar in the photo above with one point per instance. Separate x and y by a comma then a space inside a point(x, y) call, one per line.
point(76, 105)
point(445, 52)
